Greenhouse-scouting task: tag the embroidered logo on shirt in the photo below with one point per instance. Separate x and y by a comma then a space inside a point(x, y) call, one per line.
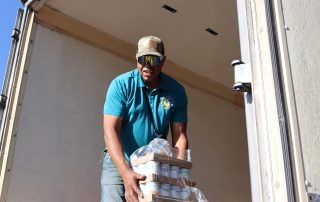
point(166, 102)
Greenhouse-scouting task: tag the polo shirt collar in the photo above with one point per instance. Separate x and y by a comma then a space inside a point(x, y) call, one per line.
point(162, 84)
point(139, 78)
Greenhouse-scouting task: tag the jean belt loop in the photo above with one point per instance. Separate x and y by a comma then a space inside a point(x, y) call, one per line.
point(103, 155)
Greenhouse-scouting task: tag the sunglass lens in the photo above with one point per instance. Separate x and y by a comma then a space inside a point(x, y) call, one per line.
point(141, 60)
point(151, 59)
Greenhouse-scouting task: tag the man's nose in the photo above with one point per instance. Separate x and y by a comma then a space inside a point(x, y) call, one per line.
point(148, 65)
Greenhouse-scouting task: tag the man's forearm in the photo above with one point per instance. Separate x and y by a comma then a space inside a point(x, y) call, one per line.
point(179, 138)
point(182, 145)
point(112, 127)
point(116, 151)
point(182, 142)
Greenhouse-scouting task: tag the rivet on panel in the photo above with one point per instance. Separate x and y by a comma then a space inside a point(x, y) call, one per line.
point(286, 28)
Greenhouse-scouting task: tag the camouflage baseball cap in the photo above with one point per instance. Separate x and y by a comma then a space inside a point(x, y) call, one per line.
point(150, 45)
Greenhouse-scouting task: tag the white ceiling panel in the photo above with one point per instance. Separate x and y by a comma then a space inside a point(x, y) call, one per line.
point(186, 41)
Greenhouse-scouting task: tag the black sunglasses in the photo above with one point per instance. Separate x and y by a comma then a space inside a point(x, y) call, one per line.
point(153, 60)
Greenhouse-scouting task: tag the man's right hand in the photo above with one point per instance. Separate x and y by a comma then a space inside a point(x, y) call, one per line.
point(131, 181)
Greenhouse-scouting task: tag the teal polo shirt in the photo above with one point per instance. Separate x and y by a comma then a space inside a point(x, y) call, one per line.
point(125, 99)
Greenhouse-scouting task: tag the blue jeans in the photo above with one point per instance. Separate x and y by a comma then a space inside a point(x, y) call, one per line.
point(112, 188)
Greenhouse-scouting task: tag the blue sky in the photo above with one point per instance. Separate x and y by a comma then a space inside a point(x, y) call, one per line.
point(7, 20)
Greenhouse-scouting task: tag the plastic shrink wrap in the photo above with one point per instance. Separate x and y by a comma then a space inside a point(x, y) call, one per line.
point(167, 177)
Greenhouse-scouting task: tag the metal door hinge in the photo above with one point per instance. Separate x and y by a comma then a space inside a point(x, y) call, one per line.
point(242, 76)
point(15, 33)
point(3, 101)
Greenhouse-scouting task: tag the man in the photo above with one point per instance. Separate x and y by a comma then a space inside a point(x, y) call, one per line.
point(140, 105)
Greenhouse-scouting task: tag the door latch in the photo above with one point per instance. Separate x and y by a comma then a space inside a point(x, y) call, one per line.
point(242, 76)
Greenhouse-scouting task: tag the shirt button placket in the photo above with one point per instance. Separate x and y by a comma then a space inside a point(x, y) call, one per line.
point(151, 99)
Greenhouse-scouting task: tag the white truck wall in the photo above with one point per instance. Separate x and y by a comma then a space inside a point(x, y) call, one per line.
point(219, 148)
point(60, 136)
point(302, 20)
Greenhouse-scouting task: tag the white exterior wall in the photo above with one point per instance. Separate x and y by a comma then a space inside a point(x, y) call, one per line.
point(60, 134)
point(302, 20)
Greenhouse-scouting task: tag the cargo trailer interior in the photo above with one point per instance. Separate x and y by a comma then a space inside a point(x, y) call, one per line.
point(75, 48)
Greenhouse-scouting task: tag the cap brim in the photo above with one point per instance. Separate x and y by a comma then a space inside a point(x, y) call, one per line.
point(149, 53)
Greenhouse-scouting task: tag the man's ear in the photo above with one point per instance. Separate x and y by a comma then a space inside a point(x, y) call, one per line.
point(163, 60)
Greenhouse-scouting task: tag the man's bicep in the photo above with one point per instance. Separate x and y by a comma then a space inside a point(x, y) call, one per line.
point(111, 123)
point(115, 102)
